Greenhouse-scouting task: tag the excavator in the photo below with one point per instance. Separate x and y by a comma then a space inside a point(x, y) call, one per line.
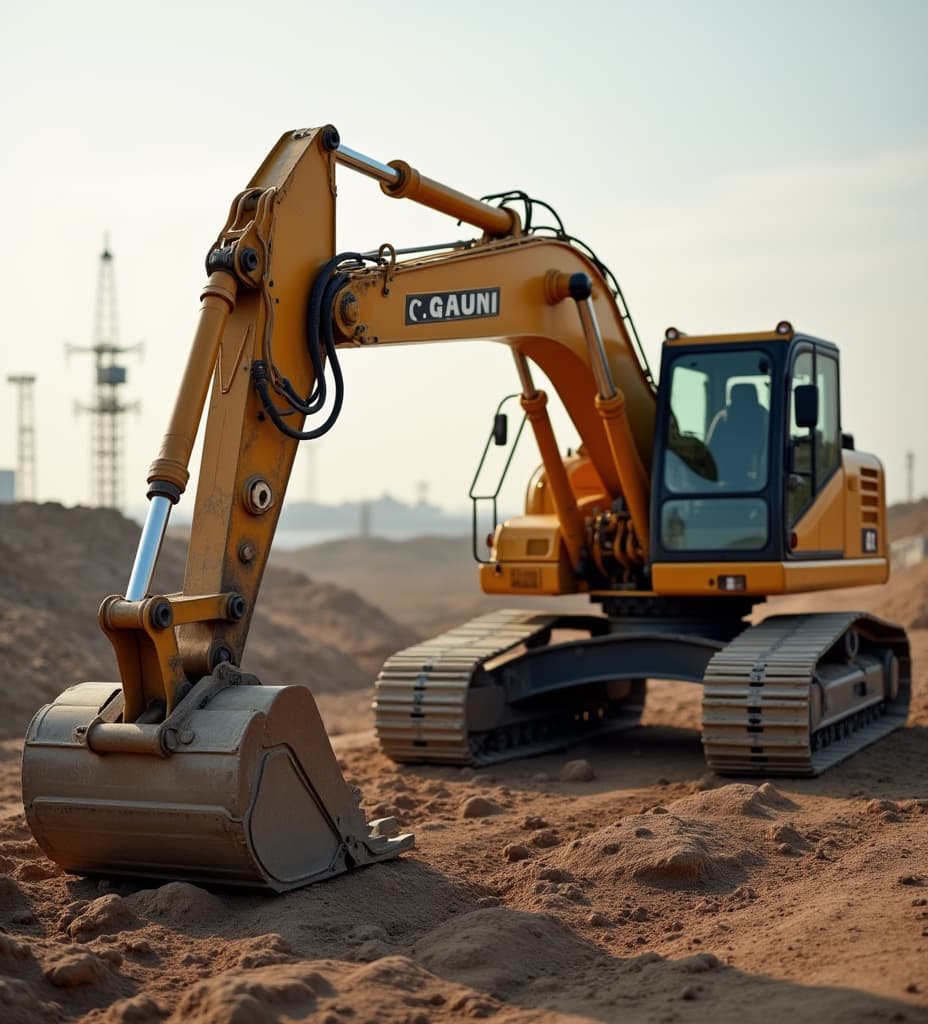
point(684, 506)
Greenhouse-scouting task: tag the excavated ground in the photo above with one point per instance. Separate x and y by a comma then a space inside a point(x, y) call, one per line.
point(632, 886)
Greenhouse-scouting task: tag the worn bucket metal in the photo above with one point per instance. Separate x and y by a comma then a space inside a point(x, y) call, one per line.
point(238, 786)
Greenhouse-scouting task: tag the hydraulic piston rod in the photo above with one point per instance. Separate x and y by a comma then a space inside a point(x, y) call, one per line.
point(399, 180)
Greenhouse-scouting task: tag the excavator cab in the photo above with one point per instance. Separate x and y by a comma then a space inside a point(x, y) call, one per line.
point(752, 470)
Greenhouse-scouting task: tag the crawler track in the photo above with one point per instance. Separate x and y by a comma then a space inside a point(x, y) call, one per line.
point(427, 696)
point(758, 694)
point(793, 695)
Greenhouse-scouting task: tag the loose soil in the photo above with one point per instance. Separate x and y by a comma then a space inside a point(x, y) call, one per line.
point(614, 881)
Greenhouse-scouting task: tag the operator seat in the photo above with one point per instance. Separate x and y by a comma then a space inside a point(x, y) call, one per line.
point(737, 438)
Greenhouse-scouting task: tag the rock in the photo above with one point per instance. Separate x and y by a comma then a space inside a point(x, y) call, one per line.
point(75, 969)
point(108, 913)
point(577, 771)
point(532, 822)
point(479, 807)
point(552, 874)
point(110, 955)
point(545, 839)
point(263, 951)
point(11, 950)
point(69, 913)
point(700, 963)
point(9, 890)
point(597, 919)
point(37, 871)
point(136, 946)
point(516, 851)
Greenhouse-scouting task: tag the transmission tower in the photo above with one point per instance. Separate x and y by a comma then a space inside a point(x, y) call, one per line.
point(25, 448)
point(107, 408)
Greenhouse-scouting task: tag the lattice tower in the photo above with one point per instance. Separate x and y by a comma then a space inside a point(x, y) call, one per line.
point(107, 408)
point(25, 436)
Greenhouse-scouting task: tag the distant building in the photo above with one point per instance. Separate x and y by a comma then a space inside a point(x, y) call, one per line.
point(7, 485)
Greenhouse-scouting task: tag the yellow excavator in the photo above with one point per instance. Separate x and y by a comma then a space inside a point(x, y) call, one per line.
point(683, 507)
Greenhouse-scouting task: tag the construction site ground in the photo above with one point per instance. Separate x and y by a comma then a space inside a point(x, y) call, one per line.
point(616, 881)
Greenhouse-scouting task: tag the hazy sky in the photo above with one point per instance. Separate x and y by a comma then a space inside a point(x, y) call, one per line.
point(735, 163)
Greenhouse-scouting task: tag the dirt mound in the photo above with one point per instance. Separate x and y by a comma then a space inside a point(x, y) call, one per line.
point(59, 563)
point(176, 903)
point(908, 520)
point(697, 843)
point(494, 949)
point(263, 995)
point(446, 590)
point(903, 600)
point(738, 799)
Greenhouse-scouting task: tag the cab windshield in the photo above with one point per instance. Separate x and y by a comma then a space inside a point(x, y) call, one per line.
point(717, 453)
point(719, 423)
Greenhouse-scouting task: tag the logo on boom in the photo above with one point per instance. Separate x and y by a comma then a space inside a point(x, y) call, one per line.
point(431, 307)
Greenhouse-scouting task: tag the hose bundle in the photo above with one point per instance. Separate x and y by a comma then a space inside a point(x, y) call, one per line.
point(320, 342)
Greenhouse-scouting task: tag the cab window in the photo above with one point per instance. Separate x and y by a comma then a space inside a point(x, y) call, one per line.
point(716, 462)
point(720, 423)
point(814, 453)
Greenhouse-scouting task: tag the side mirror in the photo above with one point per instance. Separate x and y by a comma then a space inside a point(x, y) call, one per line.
point(500, 429)
point(805, 398)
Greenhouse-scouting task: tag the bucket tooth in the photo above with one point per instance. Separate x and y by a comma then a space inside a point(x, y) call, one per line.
point(251, 793)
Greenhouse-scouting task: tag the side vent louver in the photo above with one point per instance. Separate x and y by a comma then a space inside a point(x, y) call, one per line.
point(870, 496)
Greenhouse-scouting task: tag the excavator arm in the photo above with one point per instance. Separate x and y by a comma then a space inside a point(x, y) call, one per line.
point(276, 304)
point(189, 767)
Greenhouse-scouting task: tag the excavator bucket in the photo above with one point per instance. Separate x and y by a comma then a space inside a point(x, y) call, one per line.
point(238, 786)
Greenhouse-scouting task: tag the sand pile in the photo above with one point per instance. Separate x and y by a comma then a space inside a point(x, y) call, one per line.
point(446, 590)
point(58, 564)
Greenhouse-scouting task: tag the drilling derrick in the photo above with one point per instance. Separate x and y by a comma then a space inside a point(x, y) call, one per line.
point(107, 408)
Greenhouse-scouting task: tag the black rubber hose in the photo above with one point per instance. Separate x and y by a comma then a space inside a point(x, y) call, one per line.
point(325, 289)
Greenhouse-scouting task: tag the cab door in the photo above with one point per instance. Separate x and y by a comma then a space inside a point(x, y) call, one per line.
point(814, 518)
